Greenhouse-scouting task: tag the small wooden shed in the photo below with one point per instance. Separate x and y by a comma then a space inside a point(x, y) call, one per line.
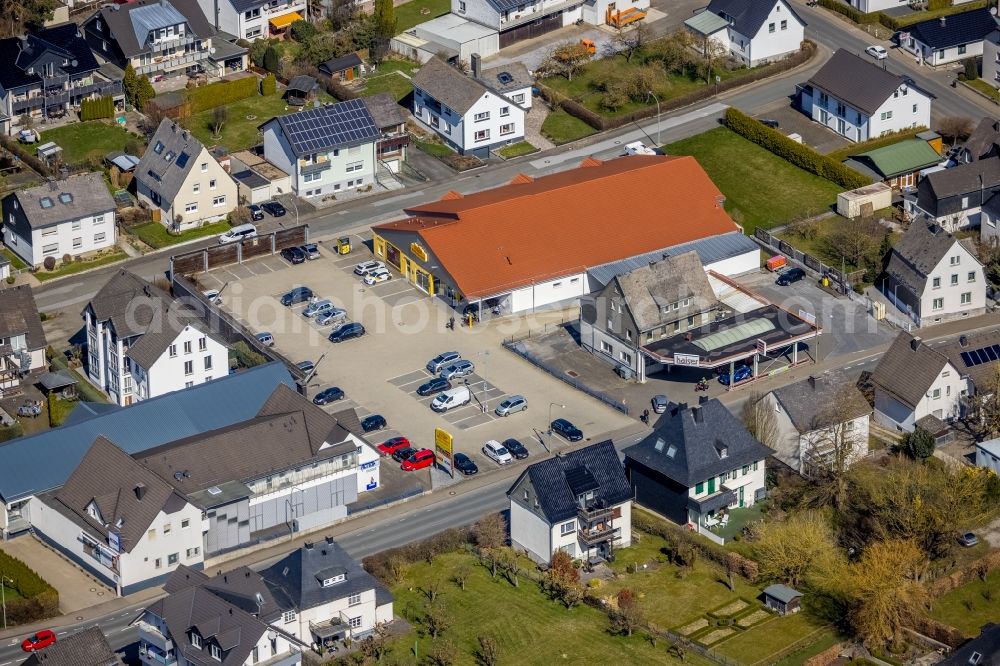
point(782, 599)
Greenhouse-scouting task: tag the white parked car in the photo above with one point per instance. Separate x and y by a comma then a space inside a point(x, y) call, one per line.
point(496, 452)
point(378, 275)
point(638, 148)
point(877, 52)
point(366, 267)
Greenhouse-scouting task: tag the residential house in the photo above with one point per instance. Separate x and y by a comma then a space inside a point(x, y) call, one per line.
point(73, 216)
point(782, 599)
point(991, 59)
point(469, 249)
point(257, 180)
point(899, 164)
point(180, 180)
point(119, 521)
point(578, 502)
point(344, 69)
point(859, 100)
point(984, 142)
point(983, 650)
point(22, 339)
point(192, 626)
point(822, 424)
point(913, 381)
point(254, 19)
point(977, 357)
point(156, 37)
point(466, 114)
point(933, 277)
point(955, 198)
point(142, 344)
point(390, 119)
point(948, 39)
point(48, 73)
point(697, 465)
point(513, 80)
point(325, 150)
point(988, 455)
point(752, 32)
point(651, 302)
point(144, 425)
point(87, 647)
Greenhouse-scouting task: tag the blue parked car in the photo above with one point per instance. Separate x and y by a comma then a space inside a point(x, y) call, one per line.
point(742, 372)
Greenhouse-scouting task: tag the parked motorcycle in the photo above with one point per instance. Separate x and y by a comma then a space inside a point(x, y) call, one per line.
point(702, 385)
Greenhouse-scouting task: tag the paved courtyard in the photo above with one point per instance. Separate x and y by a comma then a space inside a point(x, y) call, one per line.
point(76, 588)
point(792, 120)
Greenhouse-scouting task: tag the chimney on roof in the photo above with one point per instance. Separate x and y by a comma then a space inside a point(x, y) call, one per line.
point(477, 65)
point(140, 491)
point(184, 134)
point(230, 610)
point(963, 340)
point(225, 579)
point(329, 539)
point(812, 382)
point(173, 127)
point(699, 416)
point(308, 545)
point(702, 399)
point(248, 573)
point(682, 406)
point(943, 20)
point(915, 344)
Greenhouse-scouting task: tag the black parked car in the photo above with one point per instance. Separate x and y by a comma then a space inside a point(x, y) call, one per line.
point(433, 386)
point(465, 465)
point(790, 276)
point(328, 395)
point(346, 332)
point(399, 455)
point(773, 124)
point(273, 208)
point(373, 422)
point(256, 214)
point(293, 255)
point(565, 429)
point(297, 295)
point(515, 448)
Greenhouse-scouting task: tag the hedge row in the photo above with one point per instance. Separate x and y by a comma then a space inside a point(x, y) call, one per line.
point(95, 109)
point(26, 157)
point(894, 23)
point(221, 93)
point(601, 123)
point(796, 153)
point(40, 600)
point(850, 12)
point(675, 536)
point(245, 356)
point(338, 90)
point(381, 564)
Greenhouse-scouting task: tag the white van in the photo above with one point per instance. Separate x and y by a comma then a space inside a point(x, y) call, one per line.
point(238, 233)
point(455, 397)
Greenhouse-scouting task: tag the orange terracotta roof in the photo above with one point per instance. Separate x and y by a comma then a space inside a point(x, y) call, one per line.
point(539, 229)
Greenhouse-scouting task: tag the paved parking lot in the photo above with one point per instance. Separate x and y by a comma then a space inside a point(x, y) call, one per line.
point(381, 371)
point(792, 120)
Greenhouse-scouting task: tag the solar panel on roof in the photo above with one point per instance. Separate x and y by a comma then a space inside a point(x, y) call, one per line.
point(982, 355)
point(966, 359)
point(992, 353)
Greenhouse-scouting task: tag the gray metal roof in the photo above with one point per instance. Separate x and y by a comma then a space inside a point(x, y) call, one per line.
point(251, 179)
point(782, 593)
point(57, 380)
point(447, 85)
point(136, 428)
point(58, 201)
point(710, 250)
point(154, 17)
point(171, 155)
point(327, 127)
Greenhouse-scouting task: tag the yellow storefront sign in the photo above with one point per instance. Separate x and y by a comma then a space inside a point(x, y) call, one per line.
point(443, 450)
point(418, 251)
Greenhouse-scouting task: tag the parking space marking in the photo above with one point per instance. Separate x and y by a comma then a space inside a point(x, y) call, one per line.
point(477, 420)
point(410, 377)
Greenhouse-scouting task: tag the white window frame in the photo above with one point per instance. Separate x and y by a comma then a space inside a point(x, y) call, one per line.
point(481, 117)
point(219, 201)
point(481, 135)
point(567, 528)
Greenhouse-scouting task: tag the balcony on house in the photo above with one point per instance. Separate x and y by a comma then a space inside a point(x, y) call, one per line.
point(150, 635)
point(150, 654)
point(392, 143)
point(316, 165)
point(596, 524)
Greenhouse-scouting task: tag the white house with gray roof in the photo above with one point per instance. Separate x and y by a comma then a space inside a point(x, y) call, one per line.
point(934, 277)
point(73, 216)
point(254, 19)
point(22, 338)
point(959, 197)
point(142, 344)
point(325, 150)
point(859, 100)
point(698, 464)
point(750, 31)
point(466, 114)
point(822, 423)
point(914, 381)
point(182, 182)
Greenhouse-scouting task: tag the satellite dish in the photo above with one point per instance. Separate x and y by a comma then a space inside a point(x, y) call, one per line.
point(212, 50)
point(993, 10)
point(74, 63)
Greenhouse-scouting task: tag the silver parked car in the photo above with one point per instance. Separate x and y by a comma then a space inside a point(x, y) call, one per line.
point(512, 405)
point(461, 368)
point(318, 308)
point(442, 360)
point(332, 316)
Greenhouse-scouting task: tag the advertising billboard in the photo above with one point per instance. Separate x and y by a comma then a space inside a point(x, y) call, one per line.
point(444, 451)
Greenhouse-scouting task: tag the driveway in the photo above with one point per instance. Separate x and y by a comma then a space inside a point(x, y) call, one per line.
point(76, 588)
point(791, 120)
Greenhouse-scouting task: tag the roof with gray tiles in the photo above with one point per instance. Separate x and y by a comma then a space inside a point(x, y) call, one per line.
point(820, 402)
point(63, 200)
point(130, 23)
point(908, 369)
point(984, 140)
point(650, 291)
point(857, 81)
point(19, 316)
point(171, 155)
point(385, 111)
point(88, 647)
point(917, 253)
point(448, 85)
point(748, 16)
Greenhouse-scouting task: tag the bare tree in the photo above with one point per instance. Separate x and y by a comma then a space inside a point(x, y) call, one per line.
point(988, 399)
point(627, 615)
point(219, 117)
point(628, 42)
point(461, 574)
point(435, 619)
point(956, 128)
point(712, 52)
point(856, 240)
point(490, 531)
point(489, 650)
point(433, 589)
point(565, 60)
point(835, 443)
point(759, 419)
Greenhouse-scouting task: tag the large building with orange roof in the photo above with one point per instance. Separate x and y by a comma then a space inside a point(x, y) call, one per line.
point(545, 240)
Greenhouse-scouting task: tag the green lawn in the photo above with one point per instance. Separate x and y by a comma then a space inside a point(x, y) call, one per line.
point(826, 640)
point(15, 261)
point(771, 637)
point(155, 235)
point(59, 409)
point(409, 14)
point(767, 190)
point(82, 141)
point(985, 88)
point(80, 266)
point(388, 79)
point(240, 130)
point(517, 150)
point(434, 149)
point(529, 628)
point(967, 608)
point(560, 127)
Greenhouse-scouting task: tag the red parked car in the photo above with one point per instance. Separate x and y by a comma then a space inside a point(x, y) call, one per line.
point(390, 446)
point(39, 641)
point(419, 460)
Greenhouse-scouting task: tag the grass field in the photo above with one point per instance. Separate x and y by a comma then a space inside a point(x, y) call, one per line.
point(517, 150)
point(766, 190)
point(560, 127)
point(388, 79)
point(971, 606)
point(93, 139)
point(409, 14)
point(79, 266)
point(985, 88)
point(530, 629)
point(155, 234)
point(434, 149)
point(240, 130)
point(768, 638)
point(16, 262)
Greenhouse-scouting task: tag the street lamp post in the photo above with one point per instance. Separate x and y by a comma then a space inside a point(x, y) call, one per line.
point(657, 118)
point(551, 405)
point(3, 598)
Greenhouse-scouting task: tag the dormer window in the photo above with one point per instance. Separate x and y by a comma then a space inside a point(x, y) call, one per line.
point(215, 651)
point(94, 512)
point(339, 578)
point(195, 639)
point(723, 451)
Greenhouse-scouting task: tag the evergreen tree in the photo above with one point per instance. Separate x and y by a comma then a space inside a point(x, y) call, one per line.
point(143, 93)
point(385, 22)
point(272, 61)
point(130, 82)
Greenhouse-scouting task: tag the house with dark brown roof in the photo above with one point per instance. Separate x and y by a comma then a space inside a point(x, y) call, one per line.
point(859, 100)
point(984, 142)
point(22, 340)
point(390, 118)
point(914, 381)
point(959, 197)
point(141, 343)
